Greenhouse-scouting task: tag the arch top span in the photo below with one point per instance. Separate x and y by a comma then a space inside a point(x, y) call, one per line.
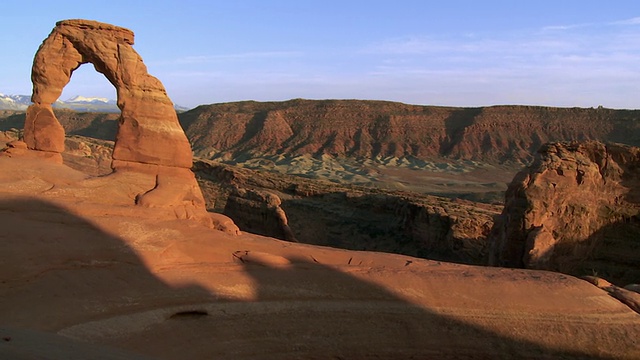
point(119, 33)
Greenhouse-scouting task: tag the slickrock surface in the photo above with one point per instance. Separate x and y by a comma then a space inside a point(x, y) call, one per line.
point(575, 210)
point(80, 261)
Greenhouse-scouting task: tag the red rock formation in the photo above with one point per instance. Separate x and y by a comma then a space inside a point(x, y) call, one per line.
point(259, 212)
point(149, 139)
point(225, 224)
point(575, 209)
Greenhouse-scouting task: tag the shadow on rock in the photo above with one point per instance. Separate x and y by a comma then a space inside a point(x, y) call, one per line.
point(59, 271)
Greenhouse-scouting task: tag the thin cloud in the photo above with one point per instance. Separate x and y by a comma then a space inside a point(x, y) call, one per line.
point(408, 46)
point(567, 27)
point(194, 74)
point(625, 22)
point(199, 59)
point(584, 64)
point(477, 47)
point(529, 46)
point(632, 21)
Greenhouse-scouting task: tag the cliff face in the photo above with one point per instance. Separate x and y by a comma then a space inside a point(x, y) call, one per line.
point(575, 210)
point(371, 129)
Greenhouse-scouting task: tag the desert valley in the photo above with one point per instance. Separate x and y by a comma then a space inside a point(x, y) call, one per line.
point(315, 229)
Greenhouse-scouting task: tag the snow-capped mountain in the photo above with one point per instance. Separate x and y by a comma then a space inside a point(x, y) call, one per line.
point(90, 100)
point(77, 103)
point(14, 102)
point(90, 104)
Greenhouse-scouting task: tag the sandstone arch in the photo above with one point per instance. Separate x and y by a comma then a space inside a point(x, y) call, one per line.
point(149, 138)
point(147, 116)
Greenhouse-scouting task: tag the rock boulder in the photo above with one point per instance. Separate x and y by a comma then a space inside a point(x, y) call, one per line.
point(575, 210)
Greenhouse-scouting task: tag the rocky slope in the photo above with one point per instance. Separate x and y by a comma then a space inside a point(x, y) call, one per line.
point(575, 210)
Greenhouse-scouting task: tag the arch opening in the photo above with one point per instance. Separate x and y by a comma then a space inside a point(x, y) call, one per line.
point(90, 120)
point(88, 82)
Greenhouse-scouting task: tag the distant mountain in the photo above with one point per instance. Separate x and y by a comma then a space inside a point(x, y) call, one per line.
point(14, 102)
point(88, 104)
point(90, 100)
point(180, 108)
point(77, 103)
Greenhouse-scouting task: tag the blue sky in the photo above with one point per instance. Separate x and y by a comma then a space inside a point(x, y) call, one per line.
point(456, 53)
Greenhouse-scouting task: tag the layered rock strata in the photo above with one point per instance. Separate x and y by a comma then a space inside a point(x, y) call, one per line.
point(385, 130)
